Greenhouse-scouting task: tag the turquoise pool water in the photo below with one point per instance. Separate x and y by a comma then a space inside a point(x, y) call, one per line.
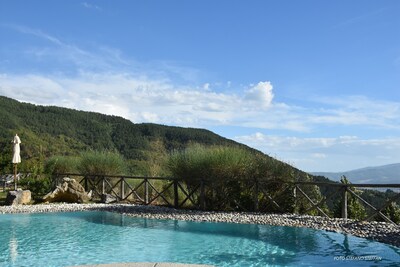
point(75, 238)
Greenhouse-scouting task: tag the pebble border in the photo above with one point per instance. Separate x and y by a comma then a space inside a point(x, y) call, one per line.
point(378, 231)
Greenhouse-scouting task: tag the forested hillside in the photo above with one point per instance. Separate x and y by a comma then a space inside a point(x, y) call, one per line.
point(47, 131)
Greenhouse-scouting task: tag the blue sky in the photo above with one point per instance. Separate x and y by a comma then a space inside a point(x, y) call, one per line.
point(313, 83)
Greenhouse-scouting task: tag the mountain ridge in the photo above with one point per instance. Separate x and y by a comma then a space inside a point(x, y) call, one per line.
point(384, 174)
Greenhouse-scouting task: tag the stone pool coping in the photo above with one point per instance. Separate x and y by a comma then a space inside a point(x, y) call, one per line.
point(378, 231)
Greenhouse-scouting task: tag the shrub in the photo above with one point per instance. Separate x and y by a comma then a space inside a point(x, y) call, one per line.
point(61, 165)
point(39, 186)
point(230, 174)
point(223, 169)
point(393, 212)
point(355, 210)
point(212, 164)
point(102, 163)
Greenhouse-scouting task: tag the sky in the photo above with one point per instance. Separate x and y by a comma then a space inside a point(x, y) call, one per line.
point(313, 83)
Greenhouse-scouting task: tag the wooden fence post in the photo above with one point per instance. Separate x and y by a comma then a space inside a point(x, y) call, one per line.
point(103, 185)
point(122, 188)
point(295, 198)
point(256, 196)
point(344, 202)
point(176, 198)
point(85, 178)
point(146, 192)
point(202, 195)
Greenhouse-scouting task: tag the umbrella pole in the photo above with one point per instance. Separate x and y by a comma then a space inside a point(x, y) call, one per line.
point(15, 177)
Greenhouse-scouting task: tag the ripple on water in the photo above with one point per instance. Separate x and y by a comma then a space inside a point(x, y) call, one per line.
point(75, 238)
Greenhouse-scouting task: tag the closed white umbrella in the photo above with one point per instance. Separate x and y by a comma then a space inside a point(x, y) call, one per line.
point(16, 157)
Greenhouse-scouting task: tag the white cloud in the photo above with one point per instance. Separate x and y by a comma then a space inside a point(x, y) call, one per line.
point(206, 86)
point(260, 94)
point(140, 99)
point(70, 56)
point(146, 116)
point(357, 110)
point(319, 155)
point(37, 33)
point(90, 6)
point(157, 87)
point(106, 82)
point(129, 95)
point(32, 88)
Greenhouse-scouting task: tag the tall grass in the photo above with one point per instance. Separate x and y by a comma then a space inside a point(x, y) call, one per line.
point(231, 174)
point(209, 163)
point(222, 168)
point(102, 163)
point(61, 165)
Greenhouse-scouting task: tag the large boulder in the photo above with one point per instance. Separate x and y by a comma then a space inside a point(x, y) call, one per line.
point(69, 190)
point(19, 197)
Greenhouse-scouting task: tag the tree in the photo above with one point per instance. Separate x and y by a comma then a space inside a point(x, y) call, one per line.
point(355, 210)
point(393, 212)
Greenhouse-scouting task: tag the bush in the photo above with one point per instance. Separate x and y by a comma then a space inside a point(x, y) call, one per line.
point(355, 210)
point(61, 165)
point(230, 174)
point(393, 212)
point(39, 186)
point(102, 163)
point(212, 164)
point(223, 169)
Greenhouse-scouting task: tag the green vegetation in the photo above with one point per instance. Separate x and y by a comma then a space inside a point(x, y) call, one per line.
point(393, 212)
point(3, 196)
point(355, 210)
point(61, 165)
point(38, 185)
point(53, 138)
point(101, 163)
point(212, 164)
point(59, 140)
point(232, 173)
point(222, 168)
point(53, 131)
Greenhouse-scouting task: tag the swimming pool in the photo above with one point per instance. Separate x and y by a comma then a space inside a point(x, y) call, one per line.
point(93, 237)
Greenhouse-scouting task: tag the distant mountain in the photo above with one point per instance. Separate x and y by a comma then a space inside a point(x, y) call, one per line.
point(387, 174)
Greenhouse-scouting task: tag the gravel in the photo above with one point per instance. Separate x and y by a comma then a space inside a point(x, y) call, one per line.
point(378, 231)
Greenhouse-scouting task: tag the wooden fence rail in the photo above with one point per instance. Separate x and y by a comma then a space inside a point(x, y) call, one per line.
point(7, 180)
point(266, 195)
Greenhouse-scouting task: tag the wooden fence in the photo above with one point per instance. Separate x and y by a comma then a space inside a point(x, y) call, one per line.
point(7, 180)
point(262, 195)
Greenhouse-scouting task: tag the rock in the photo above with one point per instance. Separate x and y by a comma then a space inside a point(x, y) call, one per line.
point(68, 191)
point(107, 198)
point(19, 197)
point(90, 194)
